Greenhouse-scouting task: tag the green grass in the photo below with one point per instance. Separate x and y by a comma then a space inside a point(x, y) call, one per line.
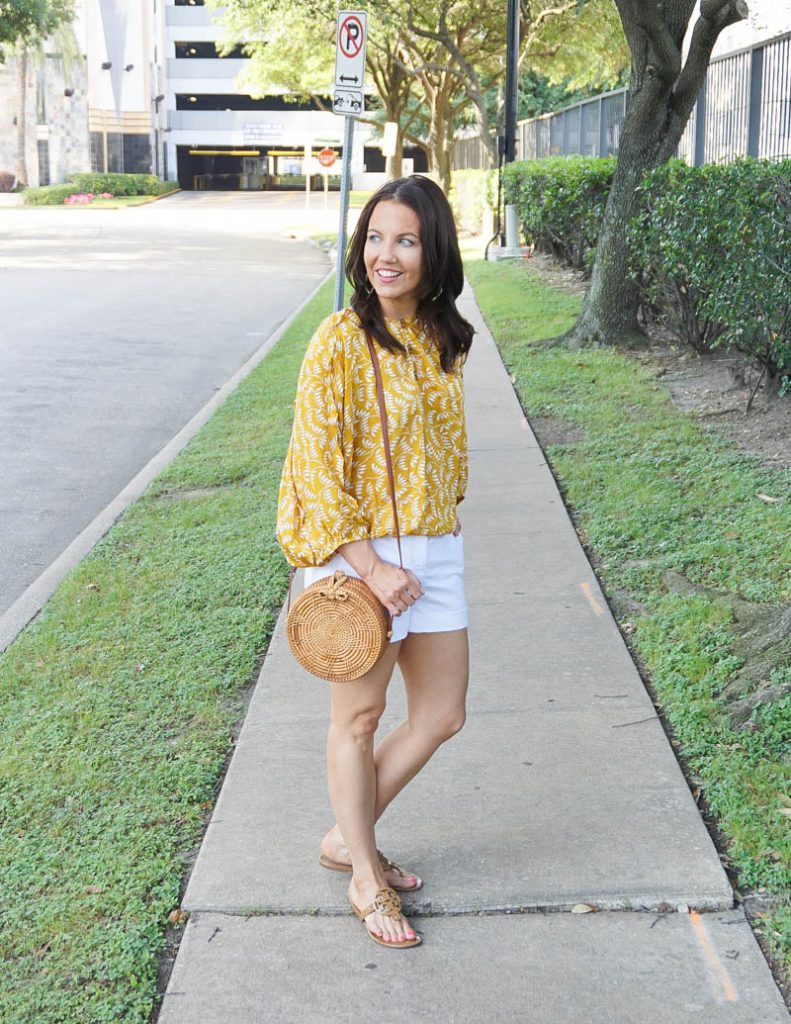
point(359, 197)
point(117, 707)
point(653, 490)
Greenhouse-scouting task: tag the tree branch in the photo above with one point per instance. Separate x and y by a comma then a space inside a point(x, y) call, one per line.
point(666, 51)
point(715, 15)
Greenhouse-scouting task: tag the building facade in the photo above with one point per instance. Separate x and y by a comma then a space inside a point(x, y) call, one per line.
point(147, 91)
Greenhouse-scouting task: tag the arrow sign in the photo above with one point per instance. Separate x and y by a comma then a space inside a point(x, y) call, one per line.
point(350, 39)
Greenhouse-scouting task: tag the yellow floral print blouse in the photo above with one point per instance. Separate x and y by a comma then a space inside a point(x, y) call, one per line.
point(334, 484)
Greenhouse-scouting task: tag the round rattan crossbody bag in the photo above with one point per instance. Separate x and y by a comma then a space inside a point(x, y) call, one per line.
point(337, 629)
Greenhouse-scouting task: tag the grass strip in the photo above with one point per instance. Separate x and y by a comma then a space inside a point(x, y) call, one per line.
point(653, 490)
point(117, 708)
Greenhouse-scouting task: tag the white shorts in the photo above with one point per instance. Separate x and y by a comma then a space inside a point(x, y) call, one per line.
point(438, 562)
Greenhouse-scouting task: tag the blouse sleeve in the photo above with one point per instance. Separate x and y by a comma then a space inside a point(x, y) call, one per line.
point(316, 514)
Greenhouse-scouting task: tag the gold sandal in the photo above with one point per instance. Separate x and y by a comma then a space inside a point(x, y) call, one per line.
point(387, 865)
point(388, 903)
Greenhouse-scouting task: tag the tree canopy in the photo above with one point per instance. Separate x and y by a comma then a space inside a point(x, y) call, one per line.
point(433, 66)
point(25, 21)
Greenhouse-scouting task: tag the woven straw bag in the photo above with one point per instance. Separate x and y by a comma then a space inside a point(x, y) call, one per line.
point(337, 629)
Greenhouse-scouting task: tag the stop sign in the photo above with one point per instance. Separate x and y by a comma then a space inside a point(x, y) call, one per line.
point(327, 157)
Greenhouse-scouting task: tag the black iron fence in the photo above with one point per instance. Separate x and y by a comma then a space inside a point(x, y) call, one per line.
point(744, 109)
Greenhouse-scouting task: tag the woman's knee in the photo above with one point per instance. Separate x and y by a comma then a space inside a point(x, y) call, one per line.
point(441, 726)
point(358, 725)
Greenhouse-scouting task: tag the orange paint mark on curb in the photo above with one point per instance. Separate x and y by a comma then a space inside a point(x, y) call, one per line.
point(711, 957)
point(586, 590)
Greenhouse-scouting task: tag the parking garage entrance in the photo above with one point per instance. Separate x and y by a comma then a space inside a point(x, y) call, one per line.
point(249, 169)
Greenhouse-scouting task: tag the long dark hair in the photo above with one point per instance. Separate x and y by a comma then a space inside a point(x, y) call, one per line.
point(443, 274)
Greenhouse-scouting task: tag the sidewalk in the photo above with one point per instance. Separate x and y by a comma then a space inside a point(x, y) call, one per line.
point(561, 789)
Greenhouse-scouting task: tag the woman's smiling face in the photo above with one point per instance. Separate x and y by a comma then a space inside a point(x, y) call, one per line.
point(393, 258)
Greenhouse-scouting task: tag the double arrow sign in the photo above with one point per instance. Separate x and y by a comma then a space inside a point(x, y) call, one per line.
point(350, 62)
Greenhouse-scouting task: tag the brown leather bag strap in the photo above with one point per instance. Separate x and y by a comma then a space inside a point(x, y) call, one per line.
point(380, 395)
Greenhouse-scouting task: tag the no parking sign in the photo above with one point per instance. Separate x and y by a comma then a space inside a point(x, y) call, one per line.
point(350, 39)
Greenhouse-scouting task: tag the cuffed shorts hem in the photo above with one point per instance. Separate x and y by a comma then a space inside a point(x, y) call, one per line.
point(438, 562)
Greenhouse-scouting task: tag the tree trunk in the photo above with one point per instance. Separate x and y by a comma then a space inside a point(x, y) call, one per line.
point(21, 124)
point(394, 108)
point(610, 309)
point(662, 93)
point(441, 131)
point(395, 163)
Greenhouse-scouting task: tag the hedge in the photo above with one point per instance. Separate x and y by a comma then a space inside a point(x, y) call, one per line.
point(48, 195)
point(115, 184)
point(711, 246)
point(560, 201)
point(122, 184)
point(712, 249)
point(472, 199)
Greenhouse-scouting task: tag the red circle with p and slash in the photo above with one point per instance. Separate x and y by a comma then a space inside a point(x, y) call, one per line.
point(351, 36)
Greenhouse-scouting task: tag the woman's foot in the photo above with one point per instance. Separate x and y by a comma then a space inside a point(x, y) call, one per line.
point(384, 921)
point(334, 849)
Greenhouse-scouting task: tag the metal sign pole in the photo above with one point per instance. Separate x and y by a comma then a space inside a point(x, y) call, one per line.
point(340, 277)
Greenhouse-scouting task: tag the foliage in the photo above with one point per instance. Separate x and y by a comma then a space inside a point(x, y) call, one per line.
point(433, 67)
point(470, 198)
point(96, 184)
point(6, 181)
point(641, 474)
point(560, 203)
point(539, 95)
point(28, 21)
point(117, 707)
point(290, 45)
point(48, 195)
point(712, 247)
point(121, 184)
point(583, 49)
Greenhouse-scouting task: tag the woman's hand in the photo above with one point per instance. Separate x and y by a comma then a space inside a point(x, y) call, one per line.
point(395, 587)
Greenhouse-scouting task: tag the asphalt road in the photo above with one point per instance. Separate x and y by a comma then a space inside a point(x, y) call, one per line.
point(116, 327)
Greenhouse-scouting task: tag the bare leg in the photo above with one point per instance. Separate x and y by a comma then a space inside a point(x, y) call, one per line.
point(435, 667)
point(351, 777)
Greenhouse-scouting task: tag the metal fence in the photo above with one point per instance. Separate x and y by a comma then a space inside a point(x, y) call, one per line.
point(744, 109)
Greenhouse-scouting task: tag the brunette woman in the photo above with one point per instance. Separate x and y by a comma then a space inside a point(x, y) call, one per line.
point(335, 513)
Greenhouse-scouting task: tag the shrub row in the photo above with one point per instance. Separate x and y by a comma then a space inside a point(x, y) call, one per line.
point(711, 246)
point(96, 184)
point(561, 202)
point(7, 180)
point(472, 200)
point(122, 184)
point(712, 249)
point(48, 195)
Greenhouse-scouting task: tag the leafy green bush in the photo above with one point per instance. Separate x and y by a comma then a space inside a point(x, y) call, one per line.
point(163, 187)
point(471, 199)
point(712, 248)
point(120, 184)
point(560, 203)
point(48, 195)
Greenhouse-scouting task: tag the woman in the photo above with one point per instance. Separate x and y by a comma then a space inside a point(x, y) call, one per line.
point(335, 513)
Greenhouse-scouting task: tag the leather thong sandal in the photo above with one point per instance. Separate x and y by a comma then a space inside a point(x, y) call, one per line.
point(388, 903)
point(387, 865)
